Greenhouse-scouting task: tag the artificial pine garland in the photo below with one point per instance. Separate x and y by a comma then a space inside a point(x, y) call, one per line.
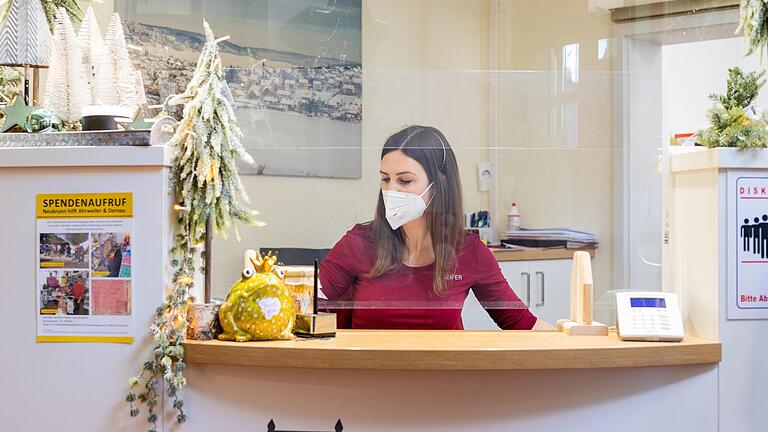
point(207, 186)
point(11, 81)
point(731, 123)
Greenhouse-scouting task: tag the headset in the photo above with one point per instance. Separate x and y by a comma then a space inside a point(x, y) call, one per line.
point(442, 164)
point(442, 143)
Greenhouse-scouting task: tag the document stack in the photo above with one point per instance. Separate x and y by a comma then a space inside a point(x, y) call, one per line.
point(548, 238)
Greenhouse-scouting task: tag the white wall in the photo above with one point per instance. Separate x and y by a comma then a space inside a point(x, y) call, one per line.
point(691, 72)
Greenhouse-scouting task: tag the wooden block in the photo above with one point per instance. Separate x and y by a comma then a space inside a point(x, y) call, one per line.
point(574, 328)
point(581, 287)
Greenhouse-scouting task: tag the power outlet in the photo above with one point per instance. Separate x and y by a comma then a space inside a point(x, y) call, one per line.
point(486, 173)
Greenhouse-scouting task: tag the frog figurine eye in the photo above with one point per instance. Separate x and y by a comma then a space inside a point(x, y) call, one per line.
point(248, 273)
point(280, 272)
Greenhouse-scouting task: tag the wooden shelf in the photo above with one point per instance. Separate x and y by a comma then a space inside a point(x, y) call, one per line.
point(536, 254)
point(454, 350)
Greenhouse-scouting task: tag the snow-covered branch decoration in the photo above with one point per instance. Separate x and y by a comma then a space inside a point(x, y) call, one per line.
point(207, 186)
point(754, 25)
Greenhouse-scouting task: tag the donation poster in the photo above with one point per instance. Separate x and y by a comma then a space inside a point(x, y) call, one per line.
point(84, 285)
point(748, 293)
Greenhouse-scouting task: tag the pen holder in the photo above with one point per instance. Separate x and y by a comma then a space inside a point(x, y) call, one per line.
point(318, 325)
point(488, 235)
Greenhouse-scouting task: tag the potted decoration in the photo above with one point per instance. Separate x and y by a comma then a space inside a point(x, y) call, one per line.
point(209, 196)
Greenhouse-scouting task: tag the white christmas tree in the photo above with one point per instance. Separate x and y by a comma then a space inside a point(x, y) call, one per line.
point(116, 78)
point(25, 36)
point(105, 85)
point(92, 45)
point(66, 91)
point(139, 84)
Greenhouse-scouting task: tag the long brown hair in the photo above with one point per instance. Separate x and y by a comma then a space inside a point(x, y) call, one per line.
point(444, 215)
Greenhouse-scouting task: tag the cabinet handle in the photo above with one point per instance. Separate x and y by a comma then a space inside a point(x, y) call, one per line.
point(527, 288)
point(542, 289)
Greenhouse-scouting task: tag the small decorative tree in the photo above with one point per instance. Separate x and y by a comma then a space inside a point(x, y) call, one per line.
point(209, 193)
point(116, 78)
point(66, 91)
point(25, 36)
point(733, 121)
point(50, 8)
point(92, 44)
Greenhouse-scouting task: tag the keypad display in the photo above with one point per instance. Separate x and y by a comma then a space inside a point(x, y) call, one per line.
point(649, 316)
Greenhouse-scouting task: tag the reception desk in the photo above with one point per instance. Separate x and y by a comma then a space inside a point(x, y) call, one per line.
point(453, 381)
point(372, 381)
point(455, 350)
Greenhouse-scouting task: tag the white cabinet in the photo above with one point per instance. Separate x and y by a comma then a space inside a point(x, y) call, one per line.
point(543, 285)
point(550, 289)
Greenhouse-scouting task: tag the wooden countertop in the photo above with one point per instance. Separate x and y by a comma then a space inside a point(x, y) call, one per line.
point(455, 350)
point(536, 254)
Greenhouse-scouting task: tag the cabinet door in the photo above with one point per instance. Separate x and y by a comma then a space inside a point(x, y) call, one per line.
point(551, 289)
point(475, 317)
point(519, 277)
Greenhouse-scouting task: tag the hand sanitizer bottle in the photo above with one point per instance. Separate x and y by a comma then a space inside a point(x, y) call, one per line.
point(513, 218)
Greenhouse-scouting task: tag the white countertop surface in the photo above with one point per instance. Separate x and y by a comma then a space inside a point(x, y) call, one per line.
point(30, 157)
point(700, 158)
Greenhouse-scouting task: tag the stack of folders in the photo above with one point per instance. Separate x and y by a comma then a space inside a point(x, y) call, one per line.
point(548, 238)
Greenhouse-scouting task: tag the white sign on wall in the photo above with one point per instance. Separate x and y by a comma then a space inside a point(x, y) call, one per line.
point(748, 245)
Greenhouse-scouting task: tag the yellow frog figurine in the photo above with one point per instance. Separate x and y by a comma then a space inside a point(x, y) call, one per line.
point(259, 306)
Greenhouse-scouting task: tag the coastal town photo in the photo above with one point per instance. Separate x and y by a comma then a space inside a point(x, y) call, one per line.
point(294, 72)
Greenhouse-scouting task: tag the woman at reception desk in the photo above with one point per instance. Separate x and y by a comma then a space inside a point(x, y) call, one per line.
point(412, 267)
point(398, 285)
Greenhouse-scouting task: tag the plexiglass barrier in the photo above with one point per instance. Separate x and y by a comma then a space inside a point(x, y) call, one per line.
point(560, 107)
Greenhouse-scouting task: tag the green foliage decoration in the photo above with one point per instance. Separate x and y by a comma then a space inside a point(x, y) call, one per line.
point(11, 81)
point(731, 124)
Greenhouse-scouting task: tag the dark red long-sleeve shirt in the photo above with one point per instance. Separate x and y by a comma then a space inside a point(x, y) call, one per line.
point(405, 298)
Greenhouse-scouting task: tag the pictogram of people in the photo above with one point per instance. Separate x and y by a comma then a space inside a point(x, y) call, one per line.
point(758, 233)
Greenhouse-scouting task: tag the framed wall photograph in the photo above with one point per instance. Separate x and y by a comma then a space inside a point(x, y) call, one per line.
point(294, 70)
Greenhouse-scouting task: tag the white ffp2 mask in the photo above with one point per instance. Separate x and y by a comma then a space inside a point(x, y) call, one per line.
point(403, 207)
